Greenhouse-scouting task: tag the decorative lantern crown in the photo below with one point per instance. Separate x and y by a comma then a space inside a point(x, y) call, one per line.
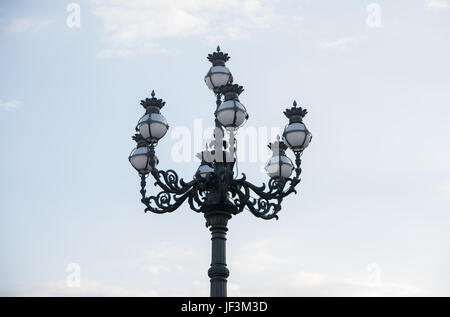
point(218, 58)
point(153, 104)
point(278, 147)
point(231, 91)
point(295, 114)
point(139, 140)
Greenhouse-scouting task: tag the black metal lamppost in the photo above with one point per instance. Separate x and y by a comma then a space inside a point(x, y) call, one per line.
point(214, 190)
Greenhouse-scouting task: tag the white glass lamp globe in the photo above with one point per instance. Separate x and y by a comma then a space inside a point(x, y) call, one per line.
point(141, 159)
point(279, 166)
point(231, 114)
point(152, 127)
point(217, 77)
point(205, 168)
point(297, 136)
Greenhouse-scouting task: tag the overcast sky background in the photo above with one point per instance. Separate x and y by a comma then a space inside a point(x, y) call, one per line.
point(373, 209)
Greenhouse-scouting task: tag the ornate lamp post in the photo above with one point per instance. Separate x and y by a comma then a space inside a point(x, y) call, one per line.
point(214, 189)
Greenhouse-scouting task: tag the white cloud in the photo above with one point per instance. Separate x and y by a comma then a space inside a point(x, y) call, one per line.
point(269, 268)
point(256, 252)
point(22, 25)
point(157, 269)
point(90, 288)
point(314, 284)
point(307, 278)
point(446, 187)
point(264, 267)
point(260, 268)
point(340, 43)
point(437, 4)
point(164, 259)
point(8, 105)
point(135, 27)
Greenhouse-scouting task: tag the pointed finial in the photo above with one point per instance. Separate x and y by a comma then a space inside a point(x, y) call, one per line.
point(218, 58)
point(278, 137)
point(295, 114)
point(150, 103)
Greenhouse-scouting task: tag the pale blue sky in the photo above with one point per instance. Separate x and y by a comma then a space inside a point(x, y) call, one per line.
point(376, 178)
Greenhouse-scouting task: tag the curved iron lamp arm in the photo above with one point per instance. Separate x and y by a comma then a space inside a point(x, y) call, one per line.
point(268, 202)
point(174, 192)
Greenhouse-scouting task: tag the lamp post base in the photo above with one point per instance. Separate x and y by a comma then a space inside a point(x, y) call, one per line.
point(218, 273)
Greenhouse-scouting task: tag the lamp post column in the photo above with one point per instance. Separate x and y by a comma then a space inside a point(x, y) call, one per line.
point(217, 222)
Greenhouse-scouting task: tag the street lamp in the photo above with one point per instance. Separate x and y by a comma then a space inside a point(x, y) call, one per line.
point(214, 189)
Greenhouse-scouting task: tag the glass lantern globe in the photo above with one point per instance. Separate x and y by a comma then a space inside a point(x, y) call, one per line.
point(141, 158)
point(205, 167)
point(297, 136)
point(152, 127)
point(217, 77)
point(231, 114)
point(279, 166)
